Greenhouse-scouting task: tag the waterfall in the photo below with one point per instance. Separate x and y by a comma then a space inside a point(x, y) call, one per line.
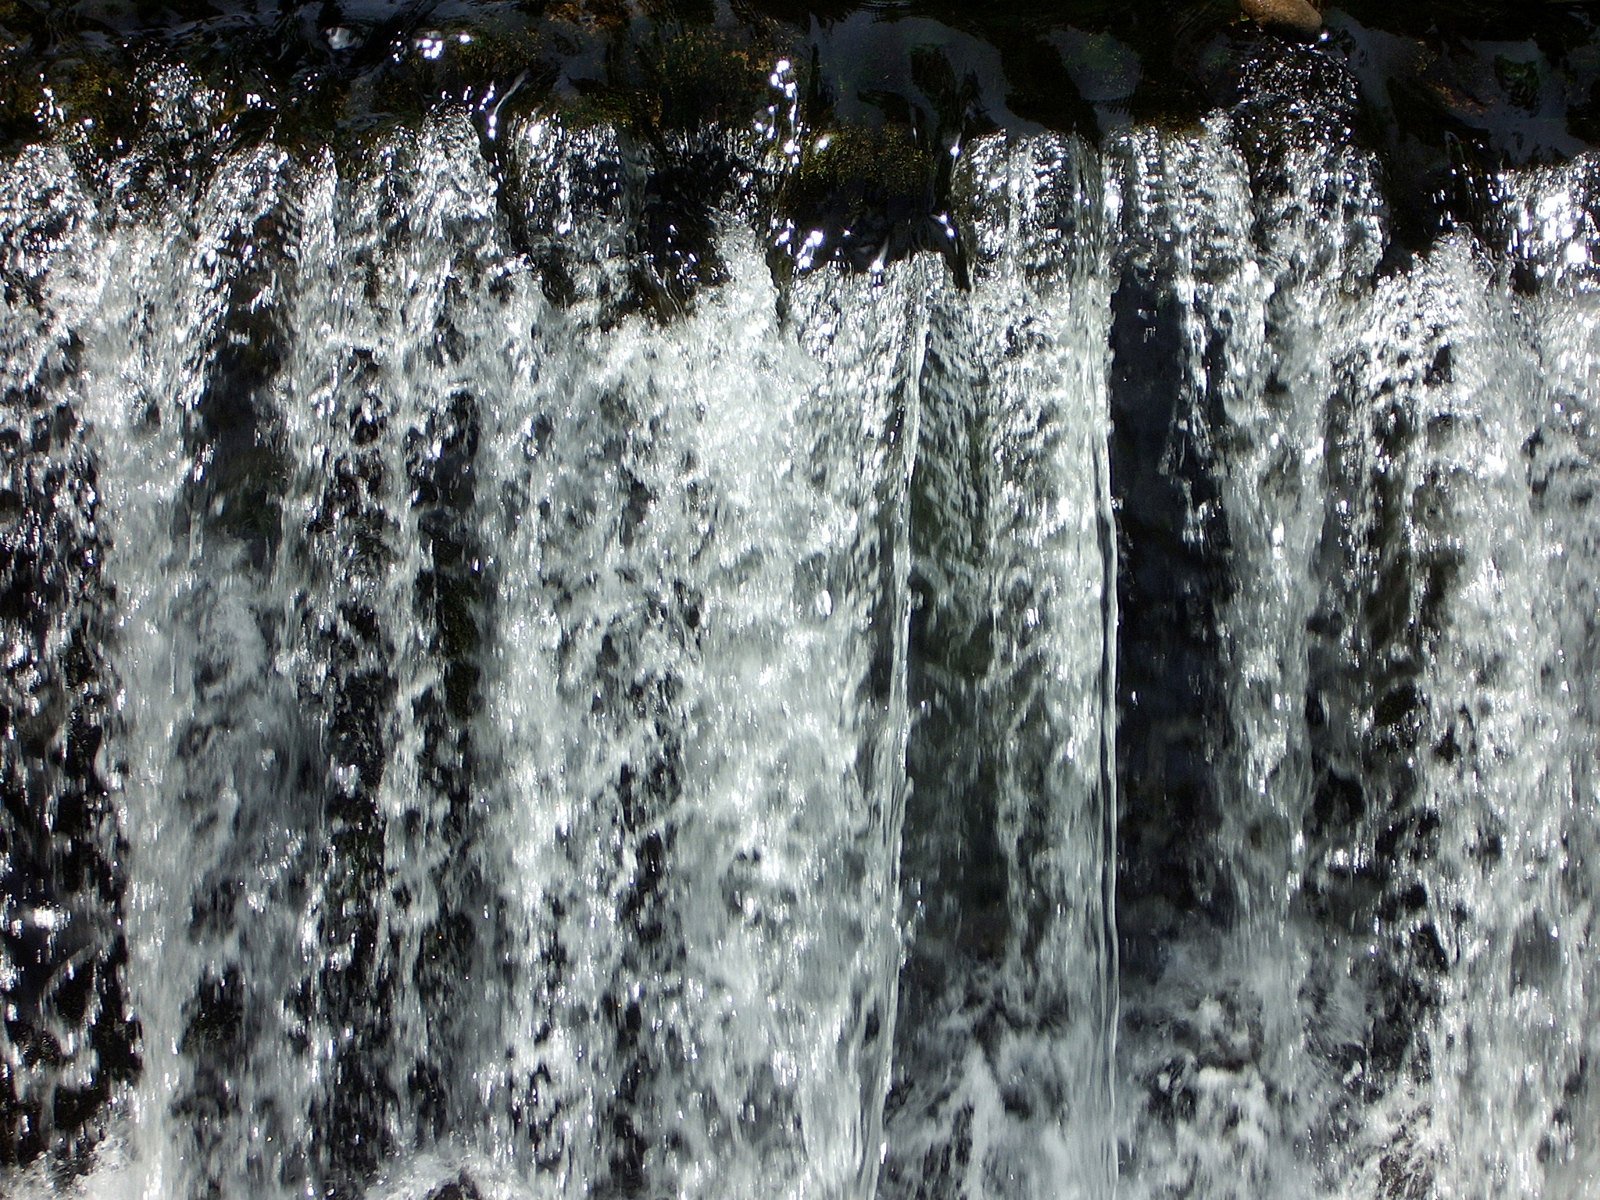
point(506, 695)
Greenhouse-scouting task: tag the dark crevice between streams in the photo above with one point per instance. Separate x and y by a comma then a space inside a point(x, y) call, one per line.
point(951, 859)
point(1173, 575)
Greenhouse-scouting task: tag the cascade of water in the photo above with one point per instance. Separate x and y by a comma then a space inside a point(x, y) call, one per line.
point(177, 363)
point(1204, 1035)
point(1363, 929)
point(507, 697)
point(694, 708)
point(412, 312)
point(1562, 322)
point(1488, 824)
point(1261, 238)
point(66, 1040)
point(1007, 1012)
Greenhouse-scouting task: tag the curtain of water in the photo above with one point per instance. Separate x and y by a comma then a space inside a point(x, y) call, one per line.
point(1003, 1082)
point(484, 717)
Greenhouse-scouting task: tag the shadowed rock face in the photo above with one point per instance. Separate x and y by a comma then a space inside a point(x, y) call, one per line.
point(942, 67)
point(1447, 93)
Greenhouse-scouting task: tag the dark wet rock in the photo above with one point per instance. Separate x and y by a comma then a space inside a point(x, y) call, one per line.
point(1518, 79)
point(1288, 16)
point(862, 196)
point(850, 140)
point(460, 1188)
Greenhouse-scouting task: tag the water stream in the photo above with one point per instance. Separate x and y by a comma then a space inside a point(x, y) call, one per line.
point(1117, 718)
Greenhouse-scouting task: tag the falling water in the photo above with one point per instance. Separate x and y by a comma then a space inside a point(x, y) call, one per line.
point(491, 711)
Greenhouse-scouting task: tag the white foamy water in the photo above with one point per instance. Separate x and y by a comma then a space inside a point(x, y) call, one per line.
point(1119, 727)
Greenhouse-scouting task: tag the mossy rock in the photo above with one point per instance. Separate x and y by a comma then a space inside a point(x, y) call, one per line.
point(703, 77)
point(659, 67)
point(495, 71)
point(22, 101)
point(97, 99)
point(871, 193)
